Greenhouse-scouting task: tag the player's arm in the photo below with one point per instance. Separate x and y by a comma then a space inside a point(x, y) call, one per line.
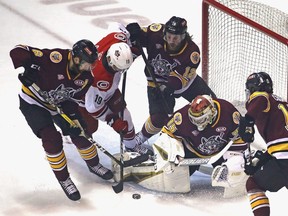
point(22, 56)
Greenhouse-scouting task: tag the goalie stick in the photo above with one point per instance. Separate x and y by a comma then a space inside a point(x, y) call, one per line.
point(208, 160)
point(131, 162)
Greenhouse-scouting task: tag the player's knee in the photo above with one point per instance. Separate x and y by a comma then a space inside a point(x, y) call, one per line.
point(251, 185)
point(51, 140)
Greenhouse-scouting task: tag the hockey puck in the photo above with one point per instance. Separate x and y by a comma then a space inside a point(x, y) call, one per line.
point(136, 196)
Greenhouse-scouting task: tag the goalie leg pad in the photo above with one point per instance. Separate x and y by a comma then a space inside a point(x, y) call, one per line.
point(177, 181)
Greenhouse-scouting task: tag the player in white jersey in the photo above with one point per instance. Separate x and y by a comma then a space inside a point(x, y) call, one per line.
point(104, 100)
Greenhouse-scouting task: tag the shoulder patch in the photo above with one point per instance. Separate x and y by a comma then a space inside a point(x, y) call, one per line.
point(177, 118)
point(55, 57)
point(37, 53)
point(195, 57)
point(155, 27)
point(236, 117)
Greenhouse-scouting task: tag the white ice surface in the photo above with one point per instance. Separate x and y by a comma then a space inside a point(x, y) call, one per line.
point(27, 184)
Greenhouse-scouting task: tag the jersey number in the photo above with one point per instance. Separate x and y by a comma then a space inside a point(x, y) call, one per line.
point(98, 99)
point(285, 113)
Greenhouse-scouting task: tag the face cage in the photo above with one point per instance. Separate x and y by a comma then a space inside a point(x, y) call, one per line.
point(202, 121)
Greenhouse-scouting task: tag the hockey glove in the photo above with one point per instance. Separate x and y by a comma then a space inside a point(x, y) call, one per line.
point(119, 125)
point(28, 77)
point(134, 30)
point(168, 96)
point(246, 128)
point(79, 125)
point(256, 162)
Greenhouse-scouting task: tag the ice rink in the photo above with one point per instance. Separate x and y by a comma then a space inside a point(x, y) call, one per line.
point(28, 186)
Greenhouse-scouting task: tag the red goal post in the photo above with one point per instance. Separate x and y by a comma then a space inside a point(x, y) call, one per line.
point(240, 37)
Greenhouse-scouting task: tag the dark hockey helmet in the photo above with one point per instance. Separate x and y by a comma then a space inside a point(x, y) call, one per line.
point(260, 81)
point(176, 25)
point(85, 50)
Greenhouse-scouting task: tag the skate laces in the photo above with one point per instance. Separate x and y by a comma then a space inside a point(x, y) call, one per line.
point(99, 169)
point(68, 186)
point(139, 138)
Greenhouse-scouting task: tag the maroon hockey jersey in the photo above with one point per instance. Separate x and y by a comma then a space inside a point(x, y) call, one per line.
point(270, 113)
point(178, 70)
point(60, 85)
point(214, 137)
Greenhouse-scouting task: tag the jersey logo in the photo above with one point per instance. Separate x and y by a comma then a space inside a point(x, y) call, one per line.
point(102, 85)
point(195, 57)
point(60, 77)
point(61, 93)
point(161, 66)
point(121, 37)
point(221, 129)
point(55, 57)
point(37, 53)
point(236, 117)
point(155, 27)
point(177, 118)
point(79, 82)
point(212, 144)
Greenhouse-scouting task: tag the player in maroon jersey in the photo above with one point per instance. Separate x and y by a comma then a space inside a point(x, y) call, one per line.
point(64, 76)
point(104, 99)
point(268, 170)
point(204, 127)
point(173, 59)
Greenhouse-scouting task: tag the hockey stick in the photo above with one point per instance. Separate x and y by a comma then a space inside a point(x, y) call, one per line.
point(131, 162)
point(208, 160)
point(152, 74)
point(119, 186)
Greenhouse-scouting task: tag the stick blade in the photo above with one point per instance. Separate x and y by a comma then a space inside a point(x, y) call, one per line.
point(118, 187)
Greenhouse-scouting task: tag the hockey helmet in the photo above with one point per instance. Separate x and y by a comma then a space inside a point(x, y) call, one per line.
point(119, 55)
point(260, 81)
point(176, 25)
point(85, 50)
point(202, 111)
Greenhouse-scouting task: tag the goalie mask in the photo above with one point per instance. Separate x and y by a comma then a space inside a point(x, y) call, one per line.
point(258, 82)
point(202, 111)
point(119, 56)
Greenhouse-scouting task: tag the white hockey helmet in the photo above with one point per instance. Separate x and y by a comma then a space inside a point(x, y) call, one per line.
point(120, 56)
point(202, 111)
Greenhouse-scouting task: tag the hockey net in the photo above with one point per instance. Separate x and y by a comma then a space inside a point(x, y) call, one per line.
point(240, 37)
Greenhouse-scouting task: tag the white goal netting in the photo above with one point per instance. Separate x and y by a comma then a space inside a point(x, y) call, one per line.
point(242, 37)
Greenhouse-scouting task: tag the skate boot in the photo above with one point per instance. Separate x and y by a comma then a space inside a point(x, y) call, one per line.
point(140, 149)
point(101, 171)
point(70, 189)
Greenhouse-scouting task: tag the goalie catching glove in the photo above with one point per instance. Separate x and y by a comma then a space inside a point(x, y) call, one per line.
point(230, 173)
